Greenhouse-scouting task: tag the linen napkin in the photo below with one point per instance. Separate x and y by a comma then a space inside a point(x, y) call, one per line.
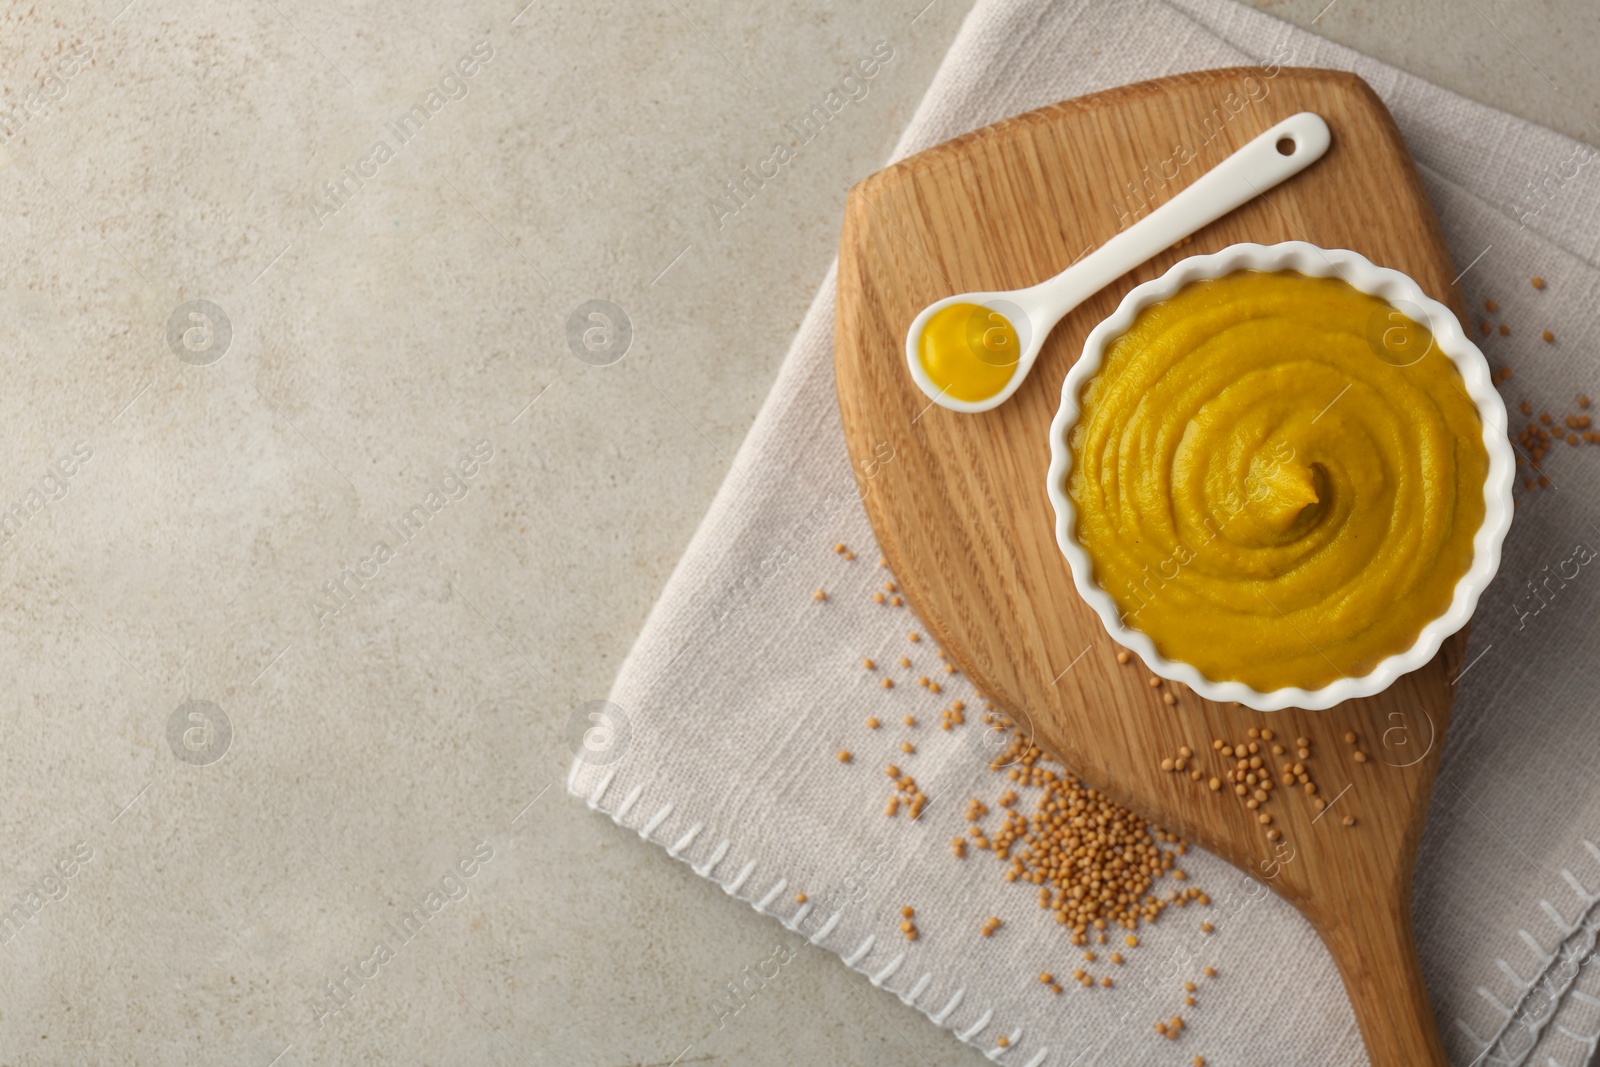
point(722, 735)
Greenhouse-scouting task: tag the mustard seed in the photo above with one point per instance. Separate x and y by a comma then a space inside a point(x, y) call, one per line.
point(844, 756)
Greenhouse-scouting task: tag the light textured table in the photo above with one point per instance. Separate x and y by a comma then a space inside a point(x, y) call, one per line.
point(242, 346)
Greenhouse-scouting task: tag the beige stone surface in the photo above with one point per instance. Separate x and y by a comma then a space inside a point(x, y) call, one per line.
point(223, 784)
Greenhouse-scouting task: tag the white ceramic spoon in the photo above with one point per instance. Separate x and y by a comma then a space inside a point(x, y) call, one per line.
point(1279, 153)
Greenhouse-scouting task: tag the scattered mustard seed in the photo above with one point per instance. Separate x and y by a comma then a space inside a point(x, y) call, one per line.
point(844, 756)
point(800, 898)
point(1538, 283)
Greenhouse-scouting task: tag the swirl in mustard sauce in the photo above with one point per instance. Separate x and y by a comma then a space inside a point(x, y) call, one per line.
point(1277, 478)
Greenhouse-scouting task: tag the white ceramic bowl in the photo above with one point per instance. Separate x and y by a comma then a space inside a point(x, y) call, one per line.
point(1388, 285)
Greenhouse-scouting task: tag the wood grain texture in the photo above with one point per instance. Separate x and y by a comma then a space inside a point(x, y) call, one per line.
point(968, 529)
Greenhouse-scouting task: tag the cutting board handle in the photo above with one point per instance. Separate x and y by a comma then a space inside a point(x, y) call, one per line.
point(1375, 952)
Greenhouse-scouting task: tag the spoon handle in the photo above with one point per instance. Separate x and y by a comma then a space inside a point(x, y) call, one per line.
point(1250, 171)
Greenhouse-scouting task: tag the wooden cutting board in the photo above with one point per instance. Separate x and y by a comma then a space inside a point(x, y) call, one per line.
point(967, 527)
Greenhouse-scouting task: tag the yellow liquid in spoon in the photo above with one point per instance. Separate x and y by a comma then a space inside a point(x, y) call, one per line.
point(969, 351)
